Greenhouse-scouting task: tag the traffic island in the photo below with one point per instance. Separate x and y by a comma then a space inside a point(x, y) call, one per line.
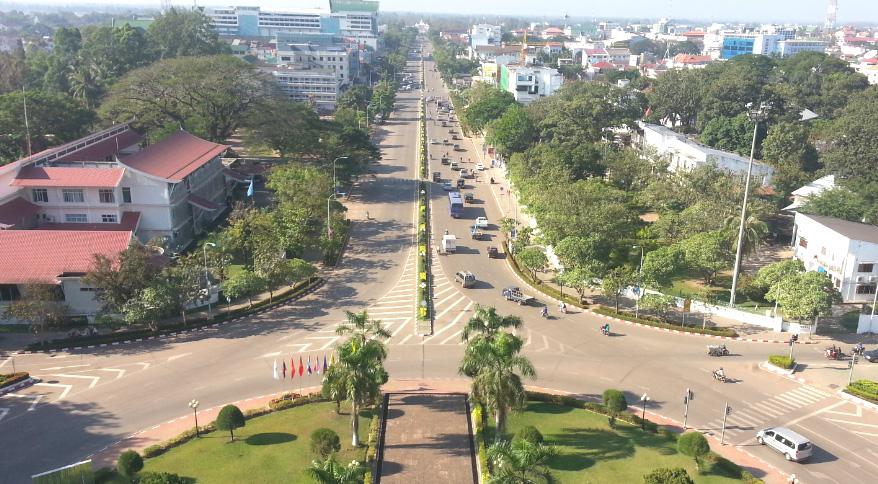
point(424, 326)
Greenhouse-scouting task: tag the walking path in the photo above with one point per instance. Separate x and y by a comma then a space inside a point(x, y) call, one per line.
point(427, 439)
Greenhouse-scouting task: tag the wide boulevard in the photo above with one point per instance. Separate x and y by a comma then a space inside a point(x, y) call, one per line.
point(92, 398)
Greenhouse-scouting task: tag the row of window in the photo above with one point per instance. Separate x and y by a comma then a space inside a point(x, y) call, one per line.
point(81, 218)
point(77, 195)
point(863, 267)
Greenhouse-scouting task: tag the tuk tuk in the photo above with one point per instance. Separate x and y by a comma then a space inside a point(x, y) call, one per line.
point(493, 253)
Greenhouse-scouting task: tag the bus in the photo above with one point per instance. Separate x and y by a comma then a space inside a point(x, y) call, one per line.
point(455, 204)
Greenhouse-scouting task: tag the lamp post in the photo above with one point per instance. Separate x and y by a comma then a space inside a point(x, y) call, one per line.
point(643, 400)
point(334, 181)
point(328, 228)
point(367, 111)
point(207, 277)
point(639, 282)
point(193, 404)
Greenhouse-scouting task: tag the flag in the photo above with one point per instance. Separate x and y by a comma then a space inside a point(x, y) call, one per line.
point(324, 363)
point(275, 370)
point(317, 365)
point(309, 365)
point(284, 370)
point(301, 367)
point(292, 368)
point(250, 189)
point(332, 358)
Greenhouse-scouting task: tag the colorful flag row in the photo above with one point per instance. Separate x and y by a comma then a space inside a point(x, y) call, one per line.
point(308, 368)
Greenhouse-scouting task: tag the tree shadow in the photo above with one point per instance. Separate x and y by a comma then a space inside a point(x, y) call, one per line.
point(270, 438)
point(545, 407)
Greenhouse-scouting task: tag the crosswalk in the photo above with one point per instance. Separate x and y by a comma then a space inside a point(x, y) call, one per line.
point(742, 423)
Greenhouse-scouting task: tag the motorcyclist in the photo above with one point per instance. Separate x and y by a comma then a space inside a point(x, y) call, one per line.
point(720, 374)
point(446, 231)
point(545, 312)
point(859, 349)
point(605, 329)
point(562, 307)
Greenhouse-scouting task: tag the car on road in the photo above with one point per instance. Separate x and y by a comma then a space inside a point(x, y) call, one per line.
point(461, 183)
point(792, 445)
point(513, 293)
point(481, 222)
point(465, 278)
point(468, 197)
point(447, 186)
point(434, 141)
point(437, 177)
point(445, 161)
point(871, 356)
point(455, 166)
point(480, 166)
point(464, 173)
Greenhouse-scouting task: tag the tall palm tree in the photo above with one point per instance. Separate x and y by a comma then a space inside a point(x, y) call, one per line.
point(86, 82)
point(329, 471)
point(520, 462)
point(361, 324)
point(755, 231)
point(494, 364)
point(358, 375)
point(486, 321)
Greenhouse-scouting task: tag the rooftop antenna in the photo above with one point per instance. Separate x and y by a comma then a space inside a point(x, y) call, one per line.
point(523, 58)
point(831, 14)
point(26, 124)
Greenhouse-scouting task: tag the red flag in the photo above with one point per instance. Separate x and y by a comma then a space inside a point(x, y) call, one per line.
point(292, 368)
point(301, 366)
point(284, 371)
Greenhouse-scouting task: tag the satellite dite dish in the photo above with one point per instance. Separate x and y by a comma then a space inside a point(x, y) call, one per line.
point(807, 115)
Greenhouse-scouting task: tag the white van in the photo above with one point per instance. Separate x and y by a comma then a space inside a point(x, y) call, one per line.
point(792, 445)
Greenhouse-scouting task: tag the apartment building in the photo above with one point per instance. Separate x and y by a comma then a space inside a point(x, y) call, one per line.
point(529, 83)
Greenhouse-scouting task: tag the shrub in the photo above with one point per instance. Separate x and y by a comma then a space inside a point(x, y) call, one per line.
point(668, 325)
point(614, 403)
point(162, 478)
point(865, 389)
point(694, 445)
point(664, 475)
point(530, 434)
point(12, 378)
point(782, 361)
point(129, 463)
point(230, 418)
point(324, 442)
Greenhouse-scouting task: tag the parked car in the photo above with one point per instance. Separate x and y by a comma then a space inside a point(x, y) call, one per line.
point(434, 141)
point(455, 165)
point(871, 355)
point(792, 445)
point(445, 161)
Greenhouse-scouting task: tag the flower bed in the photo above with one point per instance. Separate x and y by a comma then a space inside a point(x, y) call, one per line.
point(9, 379)
point(478, 419)
point(423, 281)
point(865, 389)
point(592, 407)
point(782, 361)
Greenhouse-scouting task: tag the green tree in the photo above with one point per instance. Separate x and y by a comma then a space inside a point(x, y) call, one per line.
point(303, 187)
point(533, 259)
point(329, 471)
point(707, 253)
point(497, 368)
point(677, 96)
point(186, 279)
point(12, 69)
point(615, 403)
point(665, 475)
point(324, 442)
point(153, 303)
point(520, 462)
point(805, 296)
point(362, 327)
point(771, 275)
point(357, 97)
point(614, 282)
point(530, 434)
point(485, 322)
point(730, 134)
point(853, 140)
point(40, 305)
point(755, 231)
point(129, 463)
point(53, 119)
point(662, 264)
point(383, 97)
point(179, 32)
point(693, 444)
point(292, 128)
point(838, 202)
point(513, 131)
point(485, 103)
point(119, 279)
point(333, 387)
point(244, 283)
point(660, 304)
point(230, 418)
point(579, 278)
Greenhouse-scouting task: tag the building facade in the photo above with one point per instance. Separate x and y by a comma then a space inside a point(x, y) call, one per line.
point(529, 83)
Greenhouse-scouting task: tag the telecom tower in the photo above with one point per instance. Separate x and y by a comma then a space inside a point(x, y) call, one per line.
point(831, 12)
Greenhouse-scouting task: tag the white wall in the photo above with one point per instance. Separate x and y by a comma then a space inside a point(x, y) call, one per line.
point(80, 302)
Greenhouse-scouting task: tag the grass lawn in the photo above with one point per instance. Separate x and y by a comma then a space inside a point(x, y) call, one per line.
point(273, 448)
point(591, 452)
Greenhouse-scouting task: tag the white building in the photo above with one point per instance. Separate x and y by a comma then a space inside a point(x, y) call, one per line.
point(787, 48)
point(318, 87)
point(686, 154)
point(847, 251)
point(529, 83)
point(485, 34)
point(802, 194)
point(308, 56)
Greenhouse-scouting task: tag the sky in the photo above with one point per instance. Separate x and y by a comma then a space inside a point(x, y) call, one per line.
point(802, 11)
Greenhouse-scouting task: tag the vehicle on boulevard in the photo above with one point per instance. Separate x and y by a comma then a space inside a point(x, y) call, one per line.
point(458, 148)
point(464, 173)
point(437, 177)
point(455, 165)
point(720, 375)
point(447, 186)
point(477, 234)
point(833, 353)
point(449, 244)
point(455, 137)
point(461, 183)
point(871, 355)
point(468, 197)
point(480, 166)
point(481, 222)
point(455, 204)
point(793, 446)
point(445, 142)
point(605, 329)
point(434, 141)
point(717, 350)
point(465, 278)
point(513, 293)
point(444, 160)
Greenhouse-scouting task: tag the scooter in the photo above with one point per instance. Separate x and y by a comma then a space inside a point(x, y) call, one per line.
point(563, 308)
point(605, 330)
point(545, 312)
point(719, 376)
point(492, 180)
point(833, 353)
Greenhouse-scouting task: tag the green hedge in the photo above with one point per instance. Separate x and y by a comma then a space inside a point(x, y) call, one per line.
point(592, 407)
point(546, 289)
point(865, 389)
point(423, 276)
point(782, 361)
point(661, 324)
point(478, 421)
point(372, 444)
point(721, 465)
point(279, 298)
point(8, 379)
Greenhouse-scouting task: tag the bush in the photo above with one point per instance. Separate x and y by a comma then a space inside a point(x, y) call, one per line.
point(664, 475)
point(8, 379)
point(530, 434)
point(230, 418)
point(865, 389)
point(595, 407)
point(129, 463)
point(324, 442)
point(163, 478)
point(668, 325)
point(694, 445)
point(782, 361)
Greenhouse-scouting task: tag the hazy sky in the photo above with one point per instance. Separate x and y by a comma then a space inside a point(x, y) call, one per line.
point(810, 11)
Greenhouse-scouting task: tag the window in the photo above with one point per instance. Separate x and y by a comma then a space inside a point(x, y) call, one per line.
point(865, 267)
point(107, 195)
point(76, 218)
point(40, 194)
point(866, 289)
point(109, 218)
point(126, 195)
point(803, 242)
point(73, 195)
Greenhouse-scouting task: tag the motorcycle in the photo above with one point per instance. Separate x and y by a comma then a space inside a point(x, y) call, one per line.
point(833, 353)
point(605, 330)
point(545, 312)
point(859, 349)
point(719, 376)
point(492, 180)
point(717, 350)
point(563, 308)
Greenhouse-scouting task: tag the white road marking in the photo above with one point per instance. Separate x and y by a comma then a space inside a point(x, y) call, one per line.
point(816, 412)
point(772, 412)
point(64, 393)
point(56, 368)
point(120, 373)
point(176, 357)
point(857, 413)
point(329, 343)
point(3, 412)
point(405, 339)
point(866, 434)
point(449, 308)
point(451, 324)
point(94, 379)
point(270, 355)
point(849, 422)
point(303, 347)
point(455, 335)
point(34, 403)
point(401, 327)
point(393, 307)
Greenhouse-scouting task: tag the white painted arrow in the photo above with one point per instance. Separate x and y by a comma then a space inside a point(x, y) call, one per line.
point(144, 365)
point(94, 379)
point(120, 372)
point(64, 393)
point(303, 347)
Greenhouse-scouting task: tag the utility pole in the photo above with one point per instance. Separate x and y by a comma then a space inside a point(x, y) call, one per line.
point(854, 360)
point(687, 397)
point(793, 339)
point(726, 413)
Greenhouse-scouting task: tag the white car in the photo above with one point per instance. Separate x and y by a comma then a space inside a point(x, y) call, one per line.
point(434, 142)
point(480, 166)
point(481, 222)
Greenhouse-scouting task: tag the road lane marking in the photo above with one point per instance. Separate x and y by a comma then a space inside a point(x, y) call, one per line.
point(455, 335)
point(64, 393)
point(120, 373)
point(857, 413)
point(449, 308)
point(816, 412)
point(451, 324)
point(303, 347)
point(772, 412)
point(405, 339)
point(330, 342)
point(401, 327)
point(177, 357)
point(849, 422)
point(56, 368)
point(94, 379)
point(270, 355)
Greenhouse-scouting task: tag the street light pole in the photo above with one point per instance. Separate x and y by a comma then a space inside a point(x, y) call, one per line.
point(328, 229)
point(643, 399)
point(207, 277)
point(639, 283)
point(756, 115)
point(193, 404)
point(334, 181)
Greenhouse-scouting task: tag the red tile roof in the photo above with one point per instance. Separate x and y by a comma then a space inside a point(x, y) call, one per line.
point(44, 255)
point(603, 65)
point(596, 52)
point(692, 59)
point(15, 211)
point(860, 40)
point(64, 176)
point(175, 157)
point(128, 223)
point(202, 203)
point(100, 151)
point(693, 33)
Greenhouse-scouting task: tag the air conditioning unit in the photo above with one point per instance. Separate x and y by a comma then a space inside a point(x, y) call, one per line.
point(873, 278)
point(861, 278)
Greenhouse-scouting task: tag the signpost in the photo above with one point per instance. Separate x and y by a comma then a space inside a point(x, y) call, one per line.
point(726, 414)
point(687, 397)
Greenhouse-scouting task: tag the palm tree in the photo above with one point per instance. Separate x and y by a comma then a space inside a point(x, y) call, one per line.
point(329, 471)
point(333, 389)
point(86, 82)
point(492, 362)
point(755, 231)
point(486, 321)
point(358, 375)
point(361, 324)
point(520, 462)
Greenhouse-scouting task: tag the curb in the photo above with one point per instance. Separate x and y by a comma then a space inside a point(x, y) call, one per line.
point(317, 284)
point(788, 374)
point(857, 401)
point(17, 386)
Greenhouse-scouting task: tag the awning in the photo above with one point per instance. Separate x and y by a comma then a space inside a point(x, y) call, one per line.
point(203, 203)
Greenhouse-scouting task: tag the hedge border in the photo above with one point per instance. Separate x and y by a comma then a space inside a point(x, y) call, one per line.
point(372, 443)
point(782, 361)
point(423, 282)
point(14, 378)
point(724, 332)
point(593, 407)
point(859, 389)
point(477, 414)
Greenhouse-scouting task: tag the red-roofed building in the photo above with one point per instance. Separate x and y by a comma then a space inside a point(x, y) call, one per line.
point(552, 32)
point(688, 61)
point(58, 257)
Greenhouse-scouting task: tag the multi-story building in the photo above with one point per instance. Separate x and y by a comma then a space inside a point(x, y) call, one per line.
point(767, 44)
point(688, 61)
point(787, 48)
point(847, 251)
point(529, 83)
point(499, 54)
point(485, 34)
point(338, 59)
point(319, 87)
point(355, 19)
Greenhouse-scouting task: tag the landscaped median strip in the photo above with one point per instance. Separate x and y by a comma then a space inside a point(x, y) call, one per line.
point(424, 302)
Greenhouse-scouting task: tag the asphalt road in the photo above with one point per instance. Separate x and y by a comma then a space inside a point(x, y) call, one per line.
point(92, 398)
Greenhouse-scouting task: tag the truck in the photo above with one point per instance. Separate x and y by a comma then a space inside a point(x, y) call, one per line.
point(449, 243)
point(513, 293)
